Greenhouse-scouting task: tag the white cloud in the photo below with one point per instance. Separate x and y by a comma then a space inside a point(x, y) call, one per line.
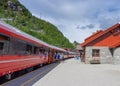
point(77, 19)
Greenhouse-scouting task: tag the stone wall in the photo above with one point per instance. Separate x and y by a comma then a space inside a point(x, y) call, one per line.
point(105, 54)
point(116, 55)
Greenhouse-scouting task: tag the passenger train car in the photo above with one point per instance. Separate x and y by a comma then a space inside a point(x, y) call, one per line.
point(19, 51)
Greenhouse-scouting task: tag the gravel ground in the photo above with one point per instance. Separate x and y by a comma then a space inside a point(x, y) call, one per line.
point(74, 73)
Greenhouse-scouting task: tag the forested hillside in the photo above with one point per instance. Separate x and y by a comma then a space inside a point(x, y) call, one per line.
point(12, 12)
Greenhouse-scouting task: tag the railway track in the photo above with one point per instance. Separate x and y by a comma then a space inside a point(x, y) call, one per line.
point(29, 78)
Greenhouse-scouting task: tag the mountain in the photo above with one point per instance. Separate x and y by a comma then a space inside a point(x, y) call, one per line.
point(14, 13)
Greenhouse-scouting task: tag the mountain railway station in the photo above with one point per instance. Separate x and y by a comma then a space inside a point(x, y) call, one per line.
point(101, 47)
point(48, 43)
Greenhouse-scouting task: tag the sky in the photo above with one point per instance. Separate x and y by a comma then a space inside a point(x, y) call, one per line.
point(76, 19)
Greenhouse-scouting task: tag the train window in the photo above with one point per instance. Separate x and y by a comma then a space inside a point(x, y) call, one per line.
point(36, 50)
point(4, 44)
point(4, 47)
point(1, 46)
point(17, 47)
point(29, 49)
point(41, 50)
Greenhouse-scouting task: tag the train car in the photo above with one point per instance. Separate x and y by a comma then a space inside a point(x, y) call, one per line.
point(69, 54)
point(19, 51)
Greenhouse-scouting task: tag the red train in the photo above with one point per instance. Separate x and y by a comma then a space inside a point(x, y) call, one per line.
point(19, 51)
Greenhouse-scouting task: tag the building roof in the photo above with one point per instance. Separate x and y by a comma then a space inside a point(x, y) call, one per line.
point(109, 37)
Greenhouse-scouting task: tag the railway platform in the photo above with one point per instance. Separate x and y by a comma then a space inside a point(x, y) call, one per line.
point(74, 73)
point(71, 72)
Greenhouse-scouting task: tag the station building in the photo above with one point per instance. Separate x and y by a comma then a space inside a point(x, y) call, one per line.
point(103, 46)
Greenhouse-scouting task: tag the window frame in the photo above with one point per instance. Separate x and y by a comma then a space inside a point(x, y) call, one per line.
point(4, 39)
point(95, 52)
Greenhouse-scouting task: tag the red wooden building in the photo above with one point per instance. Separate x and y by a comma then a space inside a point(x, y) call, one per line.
point(103, 46)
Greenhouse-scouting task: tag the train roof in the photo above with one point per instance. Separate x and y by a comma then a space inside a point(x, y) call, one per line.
point(57, 48)
point(12, 31)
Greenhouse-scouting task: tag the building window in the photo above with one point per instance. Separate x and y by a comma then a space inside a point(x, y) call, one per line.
point(95, 53)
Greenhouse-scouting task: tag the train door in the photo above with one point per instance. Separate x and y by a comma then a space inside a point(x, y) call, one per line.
point(54, 54)
point(49, 56)
point(44, 54)
point(4, 45)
